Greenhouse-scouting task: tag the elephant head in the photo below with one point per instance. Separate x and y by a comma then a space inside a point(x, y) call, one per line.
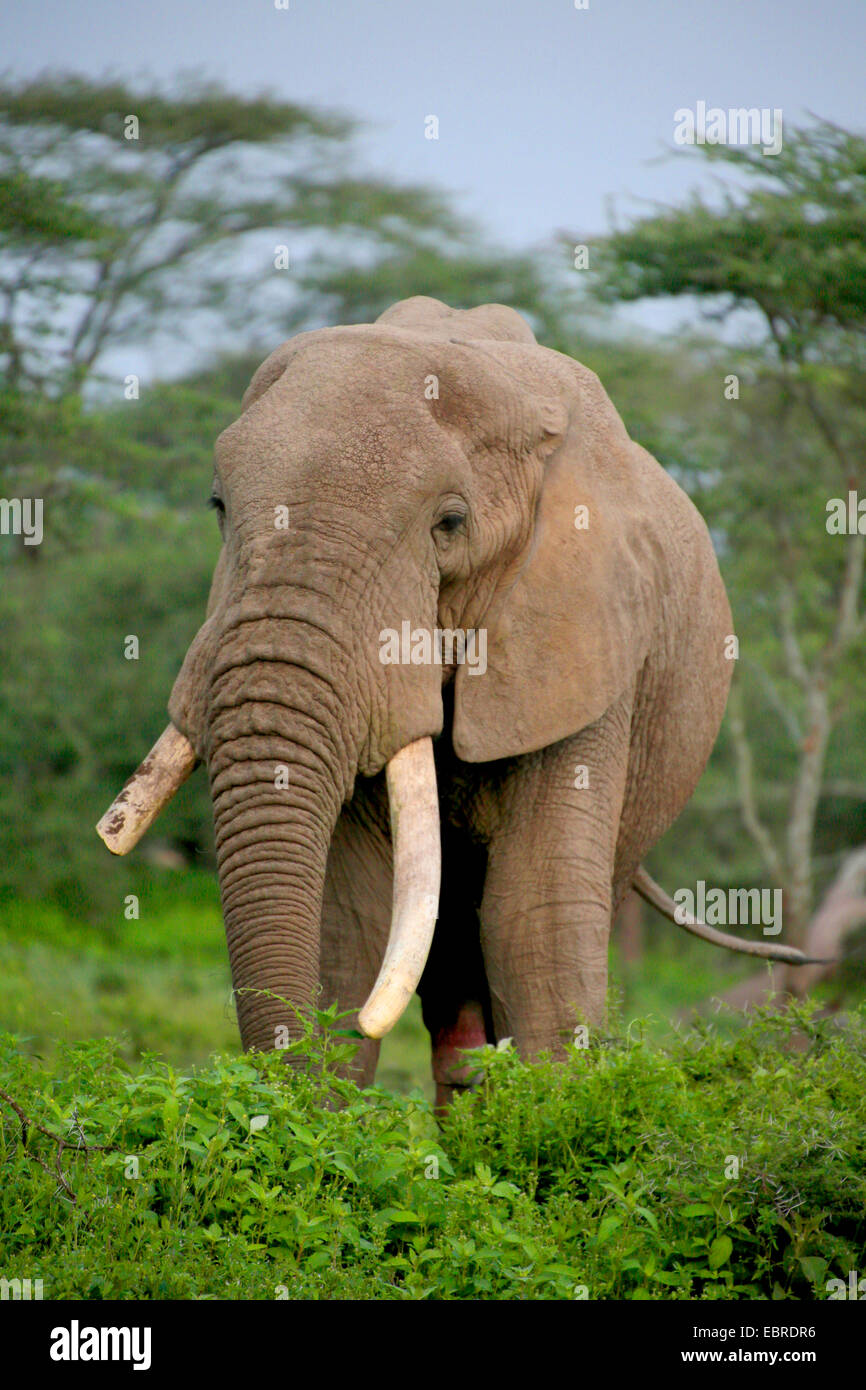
point(438, 469)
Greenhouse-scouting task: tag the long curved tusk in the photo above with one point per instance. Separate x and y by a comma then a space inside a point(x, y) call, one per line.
point(414, 802)
point(149, 789)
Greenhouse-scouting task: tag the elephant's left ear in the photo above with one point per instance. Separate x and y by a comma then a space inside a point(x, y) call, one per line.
point(567, 634)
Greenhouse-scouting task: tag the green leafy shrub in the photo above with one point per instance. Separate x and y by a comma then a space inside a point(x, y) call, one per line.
point(608, 1176)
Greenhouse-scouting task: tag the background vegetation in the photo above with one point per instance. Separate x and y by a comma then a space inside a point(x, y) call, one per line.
point(109, 244)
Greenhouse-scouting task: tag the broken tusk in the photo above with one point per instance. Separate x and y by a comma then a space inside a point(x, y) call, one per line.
point(149, 789)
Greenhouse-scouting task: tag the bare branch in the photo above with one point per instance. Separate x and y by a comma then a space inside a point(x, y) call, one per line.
point(78, 1143)
point(848, 618)
point(804, 805)
point(797, 669)
point(840, 786)
point(745, 782)
point(842, 911)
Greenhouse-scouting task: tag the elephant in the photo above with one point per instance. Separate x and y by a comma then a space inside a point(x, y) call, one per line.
point(396, 809)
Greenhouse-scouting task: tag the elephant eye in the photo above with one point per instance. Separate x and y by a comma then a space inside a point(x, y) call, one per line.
point(450, 522)
point(219, 507)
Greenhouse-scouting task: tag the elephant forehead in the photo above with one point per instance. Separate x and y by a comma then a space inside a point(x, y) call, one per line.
point(364, 405)
point(286, 441)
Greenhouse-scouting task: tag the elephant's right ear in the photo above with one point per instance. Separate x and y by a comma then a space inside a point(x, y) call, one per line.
point(568, 633)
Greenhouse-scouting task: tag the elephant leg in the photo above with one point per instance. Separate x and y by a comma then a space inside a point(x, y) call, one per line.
point(356, 912)
point(546, 911)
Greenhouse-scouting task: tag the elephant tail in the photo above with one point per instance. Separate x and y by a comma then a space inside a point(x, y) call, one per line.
point(650, 891)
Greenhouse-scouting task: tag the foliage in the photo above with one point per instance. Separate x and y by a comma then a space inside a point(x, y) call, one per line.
point(783, 437)
point(608, 1176)
point(160, 980)
point(461, 275)
point(794, 244)
point(120, 230)
point(128, 551)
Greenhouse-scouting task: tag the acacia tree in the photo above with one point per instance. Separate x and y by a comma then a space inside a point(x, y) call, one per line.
point(127, 209)
point(131, 215)
point(791, 248)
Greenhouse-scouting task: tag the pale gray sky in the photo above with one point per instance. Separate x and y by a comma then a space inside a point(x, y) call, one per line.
point(547, 113)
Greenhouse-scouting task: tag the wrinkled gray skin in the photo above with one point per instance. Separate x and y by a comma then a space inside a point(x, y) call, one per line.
point(605, 650)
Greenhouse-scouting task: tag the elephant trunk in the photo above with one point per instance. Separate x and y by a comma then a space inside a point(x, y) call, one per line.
point(272, 849)
point(278, 779)
point(273, 819)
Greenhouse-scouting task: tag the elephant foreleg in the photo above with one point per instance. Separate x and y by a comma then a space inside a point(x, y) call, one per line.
point(546, 912)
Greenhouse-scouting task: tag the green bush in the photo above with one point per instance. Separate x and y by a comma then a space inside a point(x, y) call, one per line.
point(609, 1176)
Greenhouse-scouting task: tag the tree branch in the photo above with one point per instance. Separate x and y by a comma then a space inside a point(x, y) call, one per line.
point(745, 782)
point(79, 1143)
